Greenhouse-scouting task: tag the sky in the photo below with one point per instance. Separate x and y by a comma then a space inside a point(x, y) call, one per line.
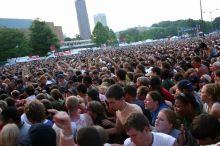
point(120, 14)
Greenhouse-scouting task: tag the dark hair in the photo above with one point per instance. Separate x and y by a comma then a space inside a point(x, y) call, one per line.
point(115, 91)
point(121, 74)
point(141, 67)
point(155, 81)
point(165, 74)
point(35, 111)
point(138, 121)
point(205, 126)
point(188, 98)
point(11, 114)
point(87, 80)
point(197, 59)
point(81, 88)
point(94, 94)
point(157, 70)
point(130, 90)
point(88, 136)
point(156, 96)
point(30, 90)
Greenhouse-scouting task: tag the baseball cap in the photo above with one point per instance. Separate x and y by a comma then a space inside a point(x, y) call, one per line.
point(185, 84)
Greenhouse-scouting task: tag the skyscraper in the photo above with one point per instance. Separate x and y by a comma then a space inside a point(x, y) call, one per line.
point(83, 20)
point(100, 18)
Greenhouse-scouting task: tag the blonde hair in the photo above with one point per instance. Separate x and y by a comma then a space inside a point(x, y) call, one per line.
point(72, 103)
point(9, 135)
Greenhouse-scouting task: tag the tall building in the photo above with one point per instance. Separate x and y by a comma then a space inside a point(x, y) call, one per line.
point(100, 18)
point(83, 20)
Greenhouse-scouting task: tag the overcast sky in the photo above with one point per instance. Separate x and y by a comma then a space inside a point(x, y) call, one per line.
point(121, 14)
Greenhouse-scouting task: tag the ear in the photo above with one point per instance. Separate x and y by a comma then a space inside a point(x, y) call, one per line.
point(147, 129)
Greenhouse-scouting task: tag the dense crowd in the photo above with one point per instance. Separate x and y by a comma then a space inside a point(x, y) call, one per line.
point(164, 93)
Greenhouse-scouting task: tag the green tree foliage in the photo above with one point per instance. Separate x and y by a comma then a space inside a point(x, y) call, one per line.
point(103, 35)
point(165, 29)
point(13, 44)
point(67, 39)
point(41, 38)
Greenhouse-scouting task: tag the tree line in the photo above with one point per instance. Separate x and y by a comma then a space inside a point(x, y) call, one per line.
point(16, 43)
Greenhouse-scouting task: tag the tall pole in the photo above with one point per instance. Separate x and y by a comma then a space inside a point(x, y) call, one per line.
point(201, 9)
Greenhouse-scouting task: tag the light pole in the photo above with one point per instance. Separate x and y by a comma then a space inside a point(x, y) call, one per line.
point(201, 10)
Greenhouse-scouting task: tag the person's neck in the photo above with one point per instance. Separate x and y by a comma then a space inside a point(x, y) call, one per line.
point(155, 108)
point(149, 140)
point(123, 107)
point(74, 115)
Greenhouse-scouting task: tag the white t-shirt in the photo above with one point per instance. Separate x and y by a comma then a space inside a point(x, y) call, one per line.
point(160, 139)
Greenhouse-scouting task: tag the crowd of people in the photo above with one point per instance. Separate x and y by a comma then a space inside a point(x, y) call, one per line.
point(164, 93)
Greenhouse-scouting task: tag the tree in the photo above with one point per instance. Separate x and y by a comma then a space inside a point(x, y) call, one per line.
point(41, 38)
point(100, 34)
point(67, 39)
point(12, 44)
point(103, 35)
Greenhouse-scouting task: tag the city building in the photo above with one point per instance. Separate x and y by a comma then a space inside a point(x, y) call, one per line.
point(25, 24)
point(83, 20)
point(100, 18)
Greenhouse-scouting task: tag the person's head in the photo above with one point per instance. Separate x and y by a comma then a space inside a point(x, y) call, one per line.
point(60, 78)
point(121, 74)
point(185, 86)
point(9, 135)
point(204, 79)
point(72, 104)
point(155, 83)
point(103, 133)
point(87, 80)
point(137, 127)
point(140, 69)
point(205, 129)
point(155, 71)
point(165, 74)
point(11, 115)
point(142, 92)
point(15, 94)
point(185, 104)
point(81, 89)
point(35, 112)
point(217, 76)
point(216, 66)
point(153, 100)
point(196, 62)
point(29, 90)
point(42, 80)
point(142, 81)
point(210, 92)
point(166, 121)
point(56, 94)
point(95, 109)
point(42, 135)
point(115, 97)
point(88, 136)
point(93, 94)
point(130, 93)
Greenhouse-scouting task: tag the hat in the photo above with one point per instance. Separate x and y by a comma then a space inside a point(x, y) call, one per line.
point(185, 84)
point(216, 64)
point(60, 76)
point(207, 77)
point(42, 135)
